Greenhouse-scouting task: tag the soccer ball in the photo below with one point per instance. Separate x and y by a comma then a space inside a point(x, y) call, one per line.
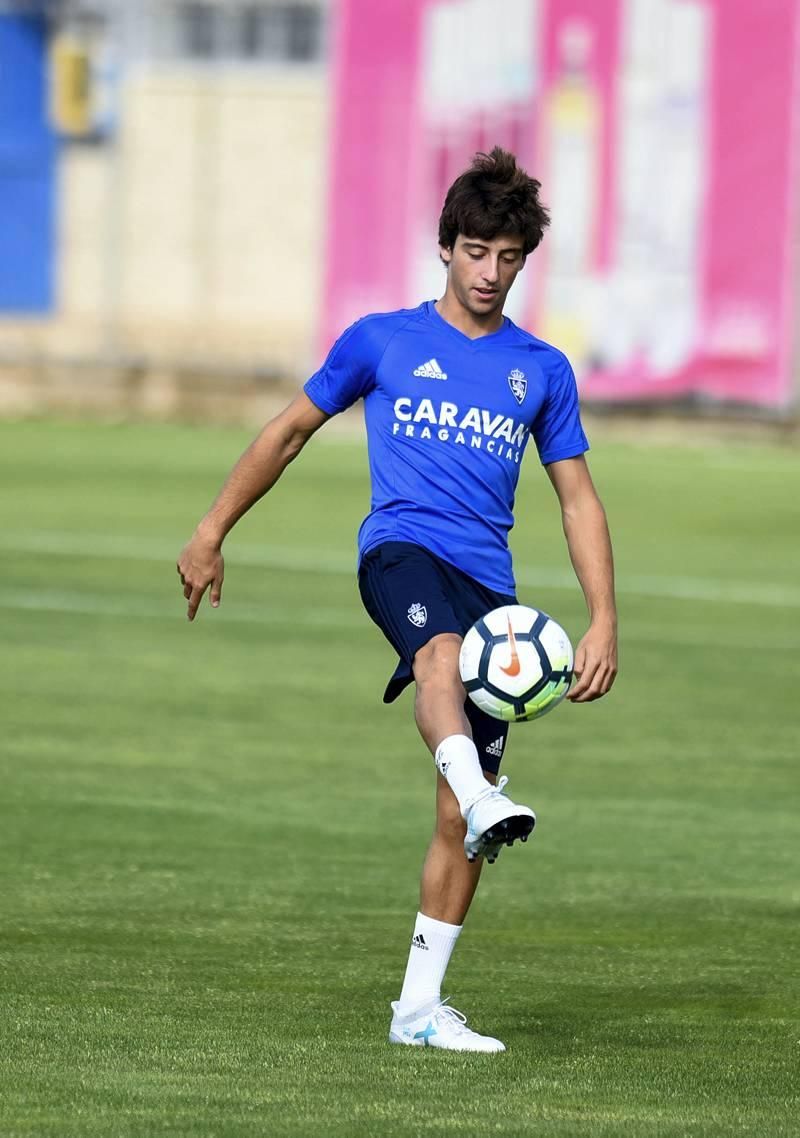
point(516, 663)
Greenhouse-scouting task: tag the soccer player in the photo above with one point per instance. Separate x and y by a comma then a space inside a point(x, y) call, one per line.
point(452, 391)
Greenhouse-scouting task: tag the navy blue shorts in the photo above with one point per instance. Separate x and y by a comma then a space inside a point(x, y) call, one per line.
point(412, 595)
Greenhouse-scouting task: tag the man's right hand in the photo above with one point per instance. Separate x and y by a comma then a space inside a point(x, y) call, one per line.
point(201, 564)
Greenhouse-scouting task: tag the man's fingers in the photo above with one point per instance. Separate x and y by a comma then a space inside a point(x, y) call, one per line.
point(584, 675)
point(197, 571)
point(578, 674)
point(594, 692)
point(216, 592)
point(195, 597)
point(593, 686)
point(591, 683)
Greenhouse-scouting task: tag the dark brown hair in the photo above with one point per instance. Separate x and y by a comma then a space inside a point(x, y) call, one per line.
point(493, 196)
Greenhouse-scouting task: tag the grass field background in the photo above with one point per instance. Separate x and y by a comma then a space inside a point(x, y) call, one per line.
point(211, 834)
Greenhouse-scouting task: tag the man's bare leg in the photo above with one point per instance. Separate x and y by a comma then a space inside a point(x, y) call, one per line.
point(448, 879)
point(439, 702)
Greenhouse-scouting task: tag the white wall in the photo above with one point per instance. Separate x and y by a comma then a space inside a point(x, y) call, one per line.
point(198, 236)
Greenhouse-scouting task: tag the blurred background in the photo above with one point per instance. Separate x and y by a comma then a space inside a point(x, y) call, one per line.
point(196, 197)
point(210, 834)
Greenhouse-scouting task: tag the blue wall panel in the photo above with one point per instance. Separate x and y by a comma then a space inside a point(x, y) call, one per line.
point(27, 168)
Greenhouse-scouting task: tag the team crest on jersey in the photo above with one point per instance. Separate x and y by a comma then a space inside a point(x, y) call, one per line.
point(418, 615)
point(518, 384)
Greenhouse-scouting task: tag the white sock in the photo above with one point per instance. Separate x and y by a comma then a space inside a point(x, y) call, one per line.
point(457, 761)
point(431, 945)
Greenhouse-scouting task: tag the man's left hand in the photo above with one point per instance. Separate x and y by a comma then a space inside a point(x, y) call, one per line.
point(595, 664)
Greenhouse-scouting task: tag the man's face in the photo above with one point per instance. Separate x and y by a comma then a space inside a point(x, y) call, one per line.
point(481, 272)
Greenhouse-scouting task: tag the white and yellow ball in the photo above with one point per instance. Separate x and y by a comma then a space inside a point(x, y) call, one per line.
point(516, 663)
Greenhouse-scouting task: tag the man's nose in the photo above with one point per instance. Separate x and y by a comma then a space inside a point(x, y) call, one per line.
point(491, 270)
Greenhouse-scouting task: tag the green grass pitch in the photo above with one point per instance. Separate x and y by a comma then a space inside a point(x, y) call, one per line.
point(211, 834)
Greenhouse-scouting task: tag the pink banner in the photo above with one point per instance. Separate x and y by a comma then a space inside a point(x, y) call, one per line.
point(664, 134)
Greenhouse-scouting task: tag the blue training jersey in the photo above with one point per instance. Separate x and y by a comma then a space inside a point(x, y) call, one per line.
point(448, 419)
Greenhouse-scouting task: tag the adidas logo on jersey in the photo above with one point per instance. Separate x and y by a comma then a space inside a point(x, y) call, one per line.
point(496, 748)
point(429, 370)
point(419, 942)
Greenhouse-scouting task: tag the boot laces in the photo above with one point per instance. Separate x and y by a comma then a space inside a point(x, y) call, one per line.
point(455, 1019)
point(488, 792)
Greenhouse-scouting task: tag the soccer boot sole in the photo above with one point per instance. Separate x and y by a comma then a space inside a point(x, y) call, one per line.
point(464, 1049)
point(502, 833)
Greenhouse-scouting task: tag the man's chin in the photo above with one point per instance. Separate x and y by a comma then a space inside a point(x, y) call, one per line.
point(488, 306)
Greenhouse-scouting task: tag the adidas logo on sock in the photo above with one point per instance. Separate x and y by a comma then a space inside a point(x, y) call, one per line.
point(429, 370)
point(418, 941)
point(496, 748)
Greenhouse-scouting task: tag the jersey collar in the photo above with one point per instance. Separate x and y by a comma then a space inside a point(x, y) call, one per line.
point(440, 322)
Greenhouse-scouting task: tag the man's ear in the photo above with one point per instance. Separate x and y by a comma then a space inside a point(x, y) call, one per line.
point(445, 254)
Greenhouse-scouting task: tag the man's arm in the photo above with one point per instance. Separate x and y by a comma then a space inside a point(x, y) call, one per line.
point(201, 563)
point(589, 545)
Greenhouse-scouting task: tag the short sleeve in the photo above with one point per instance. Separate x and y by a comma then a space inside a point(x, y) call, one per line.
point(557, 429)
point(348, 373)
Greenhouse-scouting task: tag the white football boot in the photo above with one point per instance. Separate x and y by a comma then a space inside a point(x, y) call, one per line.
point(494, 821)
point(438, 1025)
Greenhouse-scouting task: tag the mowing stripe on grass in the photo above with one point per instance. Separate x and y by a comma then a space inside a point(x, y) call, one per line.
point(88, 604)
point(95, 605)
point(703, 589)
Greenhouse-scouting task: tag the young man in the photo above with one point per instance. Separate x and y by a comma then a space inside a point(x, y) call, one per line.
point(452, 390)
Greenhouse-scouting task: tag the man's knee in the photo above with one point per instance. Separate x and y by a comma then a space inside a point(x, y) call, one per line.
point(438, 660)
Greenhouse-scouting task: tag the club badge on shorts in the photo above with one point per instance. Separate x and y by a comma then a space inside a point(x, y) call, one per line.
point(418, 615)
point(518, 384)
